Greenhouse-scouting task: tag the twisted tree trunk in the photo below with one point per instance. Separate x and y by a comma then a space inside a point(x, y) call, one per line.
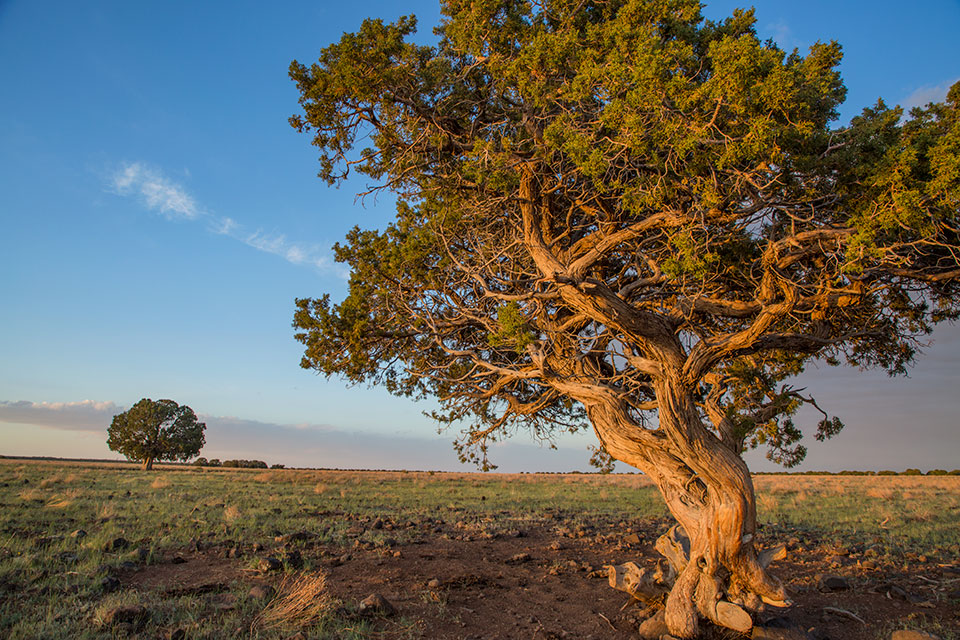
point(718, 572)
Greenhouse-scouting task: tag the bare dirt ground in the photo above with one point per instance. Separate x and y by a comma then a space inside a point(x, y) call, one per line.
point(548, 581)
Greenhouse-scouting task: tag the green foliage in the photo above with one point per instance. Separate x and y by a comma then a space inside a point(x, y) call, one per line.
point(513, 330)
point(587, 186)
point(156, 430)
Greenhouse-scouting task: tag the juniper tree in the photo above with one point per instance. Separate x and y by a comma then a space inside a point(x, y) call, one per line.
point(616, 214)
point(156, 430)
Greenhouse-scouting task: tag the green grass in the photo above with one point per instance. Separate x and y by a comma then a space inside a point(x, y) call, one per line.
point(50, 582)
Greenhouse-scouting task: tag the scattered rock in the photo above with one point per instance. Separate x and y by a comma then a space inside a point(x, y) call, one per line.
point(653, 628)
point(433, 584)
point(110, 583)
point(556, 545)
point(269, 564)
point(519, 558)
point(132, 614)
point(376, 604)
point(779, 633)
point(293, 559)
point(631, 539)
point(261, 592)
point(833, 583)
point(117, 544)
point(299, 536)
point(911, 634)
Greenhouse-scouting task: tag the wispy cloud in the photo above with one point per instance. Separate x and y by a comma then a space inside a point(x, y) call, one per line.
point(159, 193)
point(86, 415)
point(925, 95)
point(156, 191)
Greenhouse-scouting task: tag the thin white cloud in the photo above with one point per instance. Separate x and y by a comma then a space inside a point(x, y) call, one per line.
point(156, 191)
point(87, 415)
point(159, 193)
point(925, 95)
point(303, 444)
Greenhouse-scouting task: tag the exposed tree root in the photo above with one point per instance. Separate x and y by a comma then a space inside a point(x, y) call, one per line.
point(704, 588)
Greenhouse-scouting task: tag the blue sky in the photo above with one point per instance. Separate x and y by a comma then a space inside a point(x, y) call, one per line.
point(159, 217)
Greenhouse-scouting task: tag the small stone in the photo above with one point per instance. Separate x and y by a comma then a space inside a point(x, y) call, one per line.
point(519, 558)
point(397, 554)
point(110, 583)
point(631, 539)
point(778, 633)
point(269, 564)
point(556, 545)
point(833, 583)
point(116, 544)
point(130, 614)
point(910, 634)
point(433, 584)
point(653, 628)
point(376, 604)
point(261, 592)
point(293, 559)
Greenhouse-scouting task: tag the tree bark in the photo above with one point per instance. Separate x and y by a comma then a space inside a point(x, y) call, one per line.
point(147, 464)
point(708, 489)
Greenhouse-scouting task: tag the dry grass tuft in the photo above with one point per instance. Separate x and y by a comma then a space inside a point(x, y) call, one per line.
point(302, 600)
point(883, 493)
point(46, 482)
point(160, 483)
point(231, 513)
point(320, 488)
point(64, 498)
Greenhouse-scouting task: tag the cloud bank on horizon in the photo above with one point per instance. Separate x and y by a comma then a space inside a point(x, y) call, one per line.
point(158, 193)
point(300, 445)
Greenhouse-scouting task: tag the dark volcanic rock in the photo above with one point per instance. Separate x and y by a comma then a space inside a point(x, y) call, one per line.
point(134, 615)
point(833, 583)
point(376, 604)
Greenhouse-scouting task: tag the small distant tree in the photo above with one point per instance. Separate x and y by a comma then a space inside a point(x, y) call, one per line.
point(156, 430)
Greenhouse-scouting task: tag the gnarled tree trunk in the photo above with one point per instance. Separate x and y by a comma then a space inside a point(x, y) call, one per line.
point(147, 464)
point(707, 487)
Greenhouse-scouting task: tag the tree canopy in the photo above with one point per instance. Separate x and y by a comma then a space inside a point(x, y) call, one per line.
point(617, 213)
point(598, 191)
point(156, 430)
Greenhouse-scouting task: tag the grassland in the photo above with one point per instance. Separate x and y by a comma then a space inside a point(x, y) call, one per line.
point(63, 575)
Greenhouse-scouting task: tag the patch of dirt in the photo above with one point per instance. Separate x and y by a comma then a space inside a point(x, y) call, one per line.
point(451, 585)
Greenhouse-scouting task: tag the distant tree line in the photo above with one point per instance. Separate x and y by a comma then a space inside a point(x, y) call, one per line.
point(235, 464)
